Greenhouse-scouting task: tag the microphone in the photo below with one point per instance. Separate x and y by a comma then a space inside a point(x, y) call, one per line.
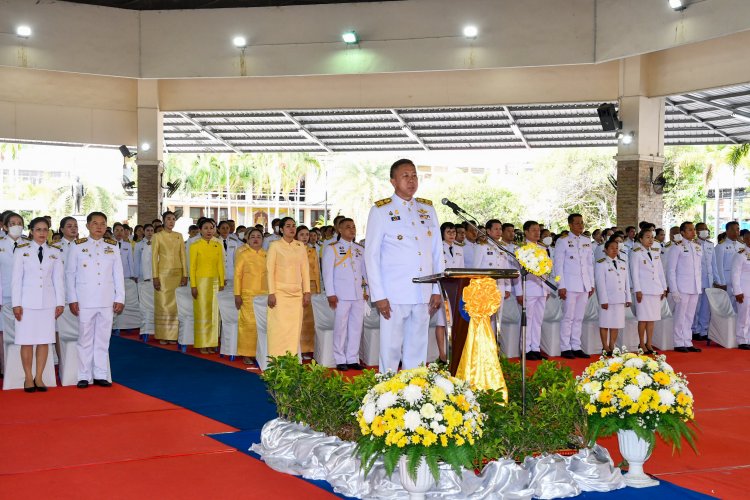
point(448, 203)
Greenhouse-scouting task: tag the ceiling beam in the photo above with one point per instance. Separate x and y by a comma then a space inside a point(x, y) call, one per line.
point(732, 111)
point(515, 128)
point(306, 133)
point(700, 120)
point(204, 130)
point(408, 131)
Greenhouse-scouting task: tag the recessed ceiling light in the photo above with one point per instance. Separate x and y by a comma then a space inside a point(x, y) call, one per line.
point(349, 37)
point(240, 42)
point(23, 31)
point(471, 31)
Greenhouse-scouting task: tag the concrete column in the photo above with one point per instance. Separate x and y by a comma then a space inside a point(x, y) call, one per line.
point(643, 159)
point(150, 166)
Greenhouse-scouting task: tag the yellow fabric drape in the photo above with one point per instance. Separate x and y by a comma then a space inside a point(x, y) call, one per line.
point(307, 338)
point(288, 278)
point(250, 279)
point(167, 264)
point(207, 275)
point(479, 361)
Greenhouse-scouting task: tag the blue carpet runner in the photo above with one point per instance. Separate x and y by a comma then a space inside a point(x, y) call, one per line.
point(239, 399)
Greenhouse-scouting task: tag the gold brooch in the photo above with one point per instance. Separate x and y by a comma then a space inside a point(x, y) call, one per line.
point(400, 237)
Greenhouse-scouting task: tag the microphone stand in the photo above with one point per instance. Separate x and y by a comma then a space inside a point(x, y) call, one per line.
point(524, 273)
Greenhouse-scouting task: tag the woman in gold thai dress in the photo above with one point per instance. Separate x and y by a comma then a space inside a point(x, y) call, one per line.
point(307, 339)
point(169, 270)
point(288, 288)
point(250, 279)
point(206, 280)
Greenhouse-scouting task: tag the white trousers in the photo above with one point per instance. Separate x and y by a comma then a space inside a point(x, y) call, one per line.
point(574, 307)
point(348, 323)
point(702, 315)
point(743, 321)
point(534, 319)
point(405, 333)
point(8, 322)
point(95, 327)
point(684, 312)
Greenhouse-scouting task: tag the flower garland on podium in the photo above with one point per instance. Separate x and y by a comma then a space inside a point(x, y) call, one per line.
point(479, 362)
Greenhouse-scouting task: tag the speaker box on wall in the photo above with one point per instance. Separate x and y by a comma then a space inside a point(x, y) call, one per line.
point(608, 117)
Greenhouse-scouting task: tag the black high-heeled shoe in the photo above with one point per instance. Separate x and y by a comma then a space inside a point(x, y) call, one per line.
point(40, 388)
point(29, 389)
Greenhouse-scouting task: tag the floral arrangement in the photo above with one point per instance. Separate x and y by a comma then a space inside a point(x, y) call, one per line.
point(422, 412)
point(635, 392)
point(535, 260)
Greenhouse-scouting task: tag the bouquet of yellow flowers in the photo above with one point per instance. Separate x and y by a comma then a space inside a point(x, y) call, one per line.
point(422, 412)
point(635, 392)
point(534, 259)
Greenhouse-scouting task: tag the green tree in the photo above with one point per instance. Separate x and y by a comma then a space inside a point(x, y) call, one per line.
point(356, 185)
point(686, 172)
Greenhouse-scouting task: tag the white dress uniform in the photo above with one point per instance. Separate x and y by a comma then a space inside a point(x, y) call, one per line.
point(574, 263)
point(131, 314)
point(723, 257)
point(7, 252)
point(230, 247)
point(267, 241)
point(684, 280)
point(703, 311)
point(469, 249)
point(453, 256)
point(403, 242)
point(94, 279)
point(189, 242)
point(647, 276)
point(38, 287)
point(488, 256)
point(67, 323)
point(143, 260)
point(536, 299)
point(612, 288)
point(344, 276)
point(599, 252)
point(741, 285)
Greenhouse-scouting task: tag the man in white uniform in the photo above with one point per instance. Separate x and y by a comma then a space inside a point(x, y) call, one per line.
point(684, 280)
point(488, 256)
point(230, 247)
point(95, 289)
point(274, 234)
point(703, 311)
point(129, 272)
point(345, 281)
point(536, 298)
point(574, 264)
point(403, 242)
point(723, 256)
point(740, 283)
point(470, 244)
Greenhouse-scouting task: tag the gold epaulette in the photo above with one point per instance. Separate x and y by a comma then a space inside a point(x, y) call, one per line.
point(600, 261)
point(383, 202)
point(81, 240)
point(741, 250)
point(668, 244)
point(459, 244)
point(111, 242)
point(636, 249)
point(358, 244)
point(52, 245)
point(2, 238)
point(24, 237)
point(424, 201)
point(23, 245)
point(333, 244)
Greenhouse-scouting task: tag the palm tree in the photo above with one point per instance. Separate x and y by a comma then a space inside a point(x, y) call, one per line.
point(358, 185)
point(735, 157)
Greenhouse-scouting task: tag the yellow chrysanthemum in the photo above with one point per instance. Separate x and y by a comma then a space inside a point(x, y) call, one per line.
point(661, 378)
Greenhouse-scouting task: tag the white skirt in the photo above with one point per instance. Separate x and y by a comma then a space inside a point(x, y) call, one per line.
point(37, 326)
point(612, 317)
point(649, 309)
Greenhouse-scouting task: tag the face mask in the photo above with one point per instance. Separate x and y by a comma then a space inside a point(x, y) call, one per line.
point(241, 235)
point(547, 240)
point(15, 231)
point(703, 234)
point(677, 238)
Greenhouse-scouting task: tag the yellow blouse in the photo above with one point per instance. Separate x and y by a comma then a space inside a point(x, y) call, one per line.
point(250, 273)
point(168, 250)
point(207, 260)
point(288, 269)
point(314, 264)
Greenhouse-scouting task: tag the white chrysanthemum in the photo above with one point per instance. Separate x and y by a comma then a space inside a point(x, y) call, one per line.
point(634, 363)
point(643, 379)
point(666, 367)
point(386, 400)
point(368, 412)
point(666, 397)
point(652, 366)
point(439, 417)
point(592, 387)
point(412, 393)
point(428, 410)
point(445, 384)
point(632, 391)
point(412, 420)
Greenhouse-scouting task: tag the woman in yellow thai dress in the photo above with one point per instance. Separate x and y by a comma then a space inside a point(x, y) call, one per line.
point(206, 280)
point(288, 290)
point(250, 279)
point(169, 271)
point(307, 339)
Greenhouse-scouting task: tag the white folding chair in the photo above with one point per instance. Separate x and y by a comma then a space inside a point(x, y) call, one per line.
point(433, 352)
point(13, 377)
point(229, 321)
point(324, 321)
point(369, 347)
point(550, 342)
point(723, 326)
point(591, 341)
point(130, 317)
point(510, 328)
point(260, 307)
point(663, 338)
point(146, 298)
point(186, 332)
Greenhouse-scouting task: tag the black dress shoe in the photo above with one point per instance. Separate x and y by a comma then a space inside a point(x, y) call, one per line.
point(704, 338)
point(744, 347)
point(82, 384)
point(355, 366)
point(40, 388)
point(696, 336)
point(580, 354)
point(540, 355)
point(102, 382)
point(694, 349)
point(342, 367)
point(531, 356)
point(567, 354)
point(681, 349)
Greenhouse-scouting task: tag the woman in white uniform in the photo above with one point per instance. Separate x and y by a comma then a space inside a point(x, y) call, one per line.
point(38, 297)
point(454, 257)
point(613, 291)
point(649, 286)
point(144, 272)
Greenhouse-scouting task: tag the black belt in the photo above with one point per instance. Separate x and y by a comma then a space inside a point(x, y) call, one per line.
point(147, 280)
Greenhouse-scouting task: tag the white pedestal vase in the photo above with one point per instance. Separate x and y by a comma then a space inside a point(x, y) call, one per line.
point(635, 451)
point(423, 483)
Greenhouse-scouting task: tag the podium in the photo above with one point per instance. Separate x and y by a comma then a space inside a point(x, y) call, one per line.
point(452, 282)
